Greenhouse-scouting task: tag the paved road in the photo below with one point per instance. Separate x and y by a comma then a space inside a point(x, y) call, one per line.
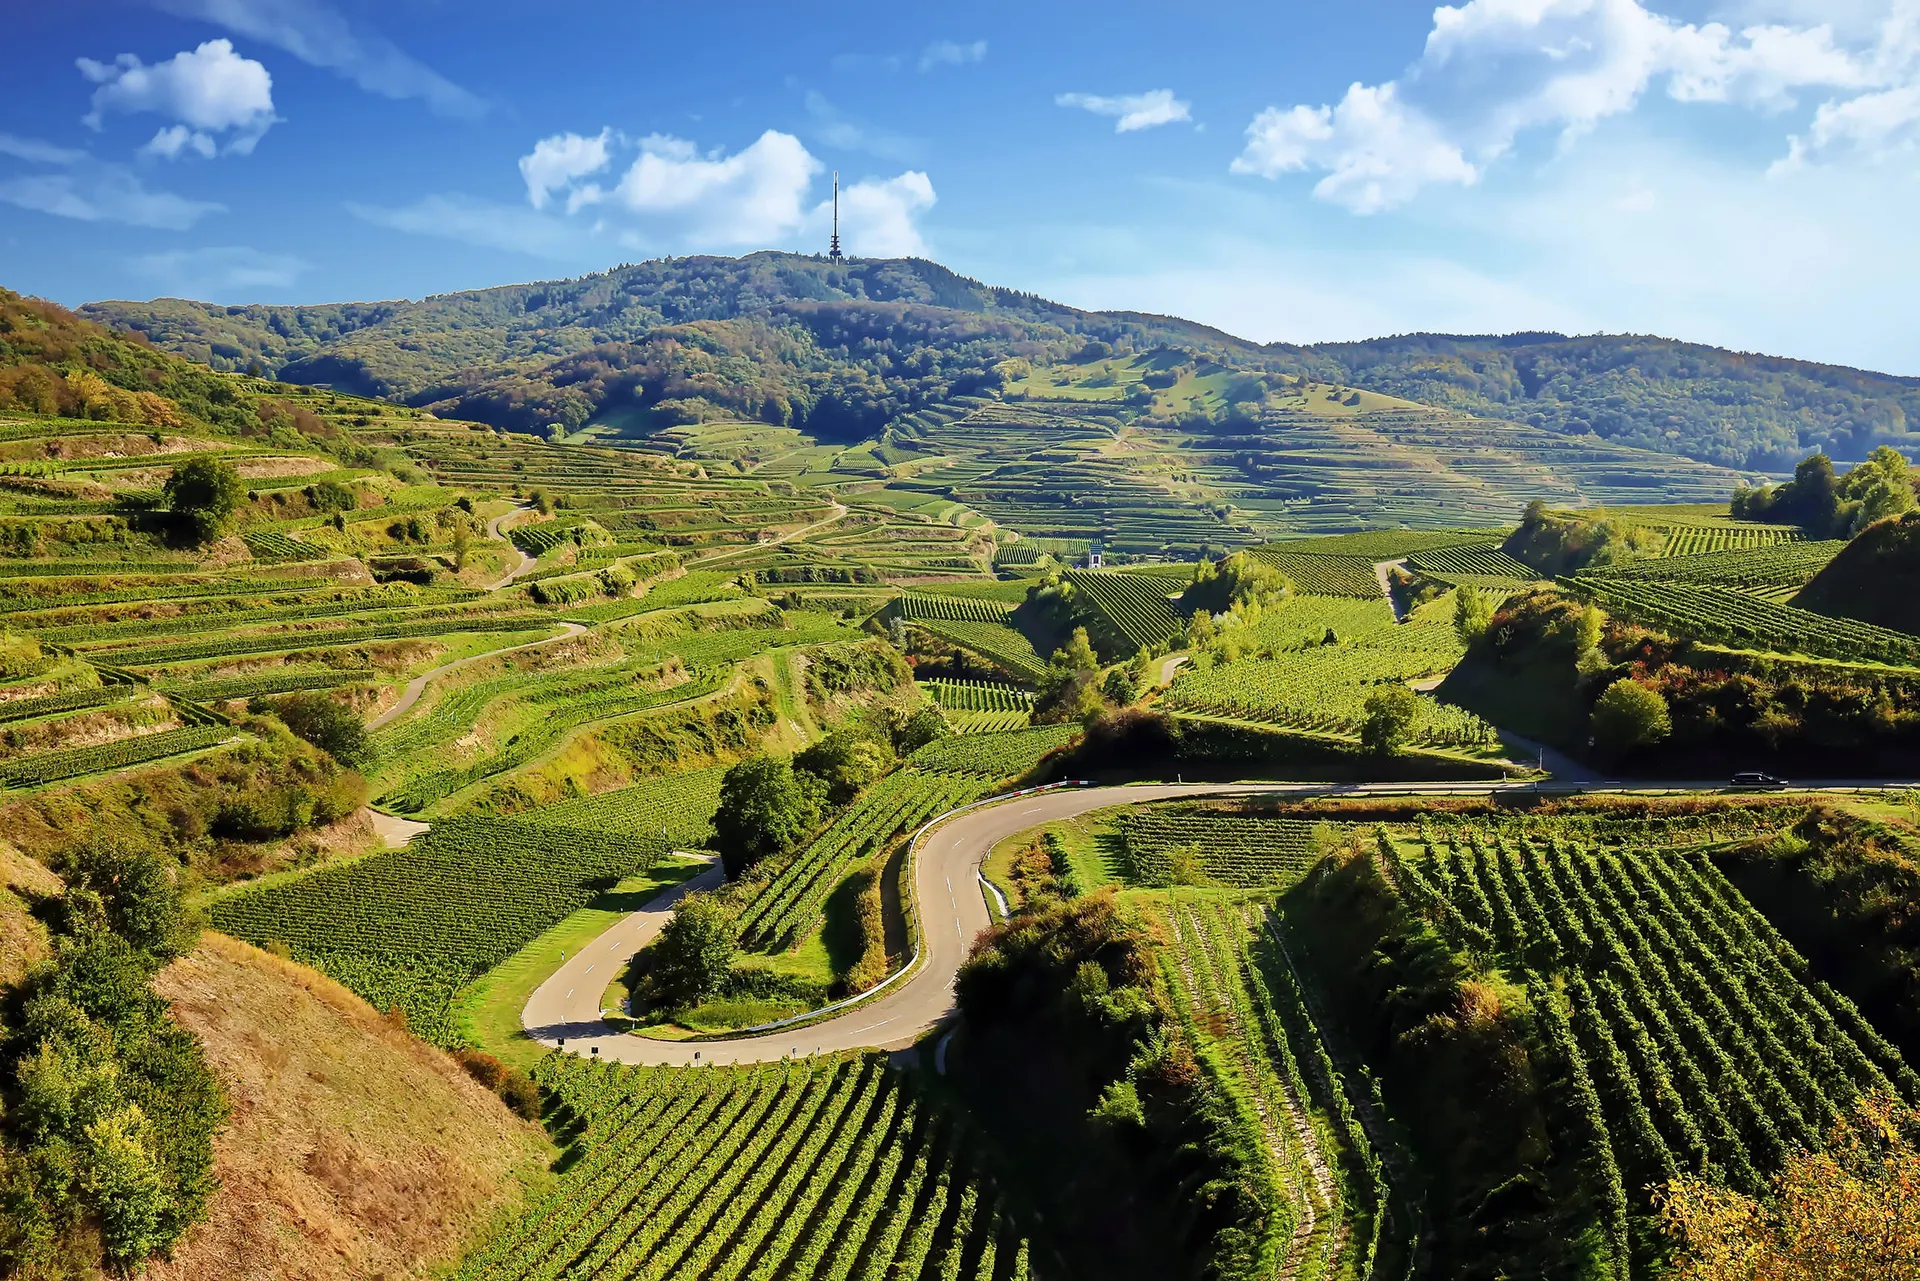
point(496, 530)
point(952, 912)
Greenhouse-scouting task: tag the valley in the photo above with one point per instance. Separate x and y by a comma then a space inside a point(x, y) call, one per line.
point(719, 748)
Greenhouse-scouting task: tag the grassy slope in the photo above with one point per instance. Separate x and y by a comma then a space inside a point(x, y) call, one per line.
point(1875, 579)
point(23, 940)
point(354, 1150)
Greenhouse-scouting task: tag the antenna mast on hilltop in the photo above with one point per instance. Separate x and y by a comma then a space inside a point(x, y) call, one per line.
point(833, 246)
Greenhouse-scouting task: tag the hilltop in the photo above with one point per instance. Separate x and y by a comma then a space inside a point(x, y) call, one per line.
point(842, 349)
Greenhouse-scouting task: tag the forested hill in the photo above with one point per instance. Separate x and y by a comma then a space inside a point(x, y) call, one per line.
point(1733, 408)
point(785, 338)
point(842, 349)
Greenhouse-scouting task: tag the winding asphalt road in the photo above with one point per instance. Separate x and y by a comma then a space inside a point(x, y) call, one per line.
point(952, 912)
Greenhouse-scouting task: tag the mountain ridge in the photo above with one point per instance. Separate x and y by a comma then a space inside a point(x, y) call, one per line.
point(882, 337)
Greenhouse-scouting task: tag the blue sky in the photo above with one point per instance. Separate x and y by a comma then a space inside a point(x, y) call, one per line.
point(1742, 173)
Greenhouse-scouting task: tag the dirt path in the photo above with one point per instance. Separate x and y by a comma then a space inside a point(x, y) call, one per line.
point(1168, 666)
point(393, 830)
point(418, 685)
point(839, 514)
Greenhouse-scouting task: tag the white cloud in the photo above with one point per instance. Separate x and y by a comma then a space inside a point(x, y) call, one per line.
point(1131, 110)
point(878, 216)
point(40, 153)
point(556, 163)
point(1494, 70)
point(753, 196)
point(950, 53)
point(228, 273)
point(209, 90)
point(1376, 152)
point(321, 37)
point(98, 192)
point(483, 223)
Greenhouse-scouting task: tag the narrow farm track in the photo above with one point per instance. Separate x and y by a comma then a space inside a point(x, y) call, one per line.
point(839, 514)
point(952, 910)
point(418, 685)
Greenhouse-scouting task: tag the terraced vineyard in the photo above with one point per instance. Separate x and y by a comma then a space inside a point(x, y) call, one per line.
point(1164, 844)
point(826, 1168)
point(1712, 612)
point(1325, 688)
point(1318, 575)
point(1131, 609)
point(995, 642)
point(1475, 562)
point(1773, 565)
point(919, 607)
point(407, 929)
point(1693, 1038)
point(1235, 988)
point(788, 907)
point(977, 696)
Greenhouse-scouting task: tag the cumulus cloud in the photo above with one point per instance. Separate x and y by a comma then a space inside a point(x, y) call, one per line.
point(210, 91)
point(321, 37)
point(1377, 152)
point(557, 163)
point(220, 273)
point(753, 196)
point(950, 53)
point(1494, 70)
point(1131, 111)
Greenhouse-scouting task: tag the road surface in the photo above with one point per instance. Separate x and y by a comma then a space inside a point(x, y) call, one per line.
point(952, 912)
point(495, 530)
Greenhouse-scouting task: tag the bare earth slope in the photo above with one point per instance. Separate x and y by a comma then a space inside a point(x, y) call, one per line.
point(354, 1150)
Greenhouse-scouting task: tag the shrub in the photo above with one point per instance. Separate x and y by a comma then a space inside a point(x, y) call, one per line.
point(1629, 715)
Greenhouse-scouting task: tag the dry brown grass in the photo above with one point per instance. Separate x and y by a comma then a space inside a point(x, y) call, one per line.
point(23, 940)
point(355, 1150)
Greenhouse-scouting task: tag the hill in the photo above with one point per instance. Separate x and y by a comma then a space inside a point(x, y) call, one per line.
point(841, 350)
point(1875, 578)
point(1732, 408)
point(897, 333)
point(355, 1150)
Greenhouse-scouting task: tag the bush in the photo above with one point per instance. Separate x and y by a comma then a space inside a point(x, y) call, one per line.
point(205, 493)
point(1629, 715)
point(332, 727)
point(691, 960)
point(1388, 720)
point(515, 1088)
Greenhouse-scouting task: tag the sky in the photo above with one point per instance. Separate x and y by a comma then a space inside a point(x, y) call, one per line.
point(1744, 174)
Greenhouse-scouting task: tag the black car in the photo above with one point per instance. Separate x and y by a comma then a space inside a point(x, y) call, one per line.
point(1754, 778)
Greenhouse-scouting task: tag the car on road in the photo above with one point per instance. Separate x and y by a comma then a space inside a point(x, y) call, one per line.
point(1755, 779)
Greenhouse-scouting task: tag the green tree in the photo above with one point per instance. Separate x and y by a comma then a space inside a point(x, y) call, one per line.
point(691, 958)
point(1118, 688)
point(1069, 689)
point(1472, 611)
point(1629, 715)
point(846, 761)
point(1233, 580)
point(764, 810)
point(332, 727)
point(205, 493)
point(1387, 721)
